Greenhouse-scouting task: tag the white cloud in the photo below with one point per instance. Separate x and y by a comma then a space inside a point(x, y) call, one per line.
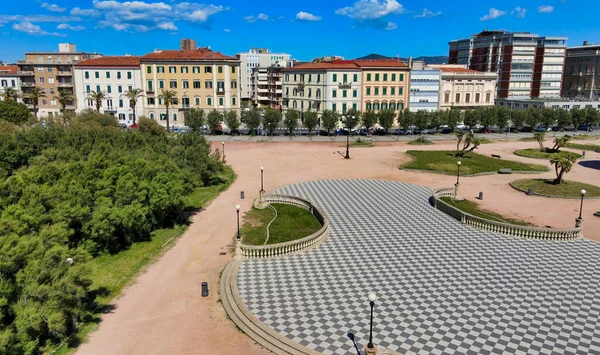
point(305, 16)
point(493, 14)
point(30, 28)
point(84, 12)
point(427, 14)
point(390, 26)
point(371, 9)
point(252, 18)
point(66, 26)
point(167, 26)
point(53, 7)
point(519, 12)
point(226, 30)
point(546, 9)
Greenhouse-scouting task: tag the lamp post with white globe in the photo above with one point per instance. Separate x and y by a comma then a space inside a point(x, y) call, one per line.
point(237, 208)
point(579, 220)
point(372, 299)
point(457, 184)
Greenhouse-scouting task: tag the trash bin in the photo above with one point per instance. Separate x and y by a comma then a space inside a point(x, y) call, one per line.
point(529, 191)
point(242, 195)
point(480, 195)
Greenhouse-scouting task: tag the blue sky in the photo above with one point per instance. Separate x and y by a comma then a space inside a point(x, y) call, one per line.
point(304, 29)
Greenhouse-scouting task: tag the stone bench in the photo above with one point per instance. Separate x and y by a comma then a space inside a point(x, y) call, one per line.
point(496, 156)
point(505, 171)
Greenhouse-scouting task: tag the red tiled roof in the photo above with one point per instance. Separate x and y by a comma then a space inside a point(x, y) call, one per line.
point(387, 63)
point(9, 69)
point(457, 70)
point(110, 62)
point(349, 64)
point(195, 54)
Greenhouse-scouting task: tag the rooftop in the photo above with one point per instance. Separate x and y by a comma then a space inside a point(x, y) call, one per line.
point(9, 69)
point(195, 54)
point(126, 61)
point(351, 64)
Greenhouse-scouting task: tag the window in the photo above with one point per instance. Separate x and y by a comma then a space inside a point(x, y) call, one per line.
point(394, 77)
point(369, 107)
point(355, 78)
point(196, 84)
point(208, 84)
point(121, 116)
point(184, 70)
point(185, 84)
point(50, 80)
point(52, 91)
point(149, 69)
point(309, 78)
point(393, 105)
point(376, 106)
point(209, 101)
point(118, 75)
point(160, 101)
point(98, 88)
point(197, 100)
point(467, 97)
point(232, 70)
point(108, 89)
point(354, 107)
point(368, 77)
point(477, 97)
point(457, 98)
point(393, 91)
point(129, 87)
point(87, 89)
point(160, 69)
point(162, 116)
point(402, 78)
point(120, 102)
point(345, 78)
point(344, 93)
point(318, 78)
point(354, 93)
point(150, 85)
point(334, 93)
point(109, 103)
point(107, 75)
point(221, 101)
point(87, 74)
point(334, 78)
point(207, 70)
point(377, 77)
point(233, 84)
point(487, 97)
point(53, 102)
point(344, 107)
point(400, 90)
point(97, 74)
point(220, 86)
point(233, 101)
point(172, 70)
point(384, 89)
point(368, 91)
point(161, 84)
point(120, 88)
point(334, 107)
point(173, 84)
point(220, 69)
point(196, 70)
point(44, 102)
point(384, 77)
point(447, 98)
point(128, 75)
point(376, 90)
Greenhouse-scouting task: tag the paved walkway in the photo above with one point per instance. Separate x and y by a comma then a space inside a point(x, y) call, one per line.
point(443, 288)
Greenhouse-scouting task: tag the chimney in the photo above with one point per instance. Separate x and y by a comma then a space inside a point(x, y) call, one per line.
point(585, 43)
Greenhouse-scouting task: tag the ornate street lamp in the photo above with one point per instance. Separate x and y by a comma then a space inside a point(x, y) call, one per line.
point(458, 172)
point(351, 337)
point(223, 144)
point(262, 171)
point(237, 208)
point(345, 118)
point(579, 220)
point(372, 299)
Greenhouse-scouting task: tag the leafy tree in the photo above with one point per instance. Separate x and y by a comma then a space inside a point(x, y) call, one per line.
point(271, 120)
point(310, 121)
point(386, 119)
point(329, 120)
point(548, 117)
point(539, 137)
point(591, 116)
point(518, 118)
point(214, 119)
point(169, 98)
point(421, 119)
point(9, 93)
point(471, 118)
point(453, 118)
point(563, 117)
point(503, 116)
point(34, 96)
point(562, 165)
point(488, 116)
point(351, 119)
point(252, 120)
point(534, 117)
point(148, 126)
point(232, 121)
point(578, 117)
point(469, 143)
point(291, 120)
point(134, 94)
point(64, 98)
point(14, 112)
point(195, 119)
point(369, 118)
point(560, 142)
point(435, 119)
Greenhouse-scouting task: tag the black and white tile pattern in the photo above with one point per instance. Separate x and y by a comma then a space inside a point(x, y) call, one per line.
point(442, 287)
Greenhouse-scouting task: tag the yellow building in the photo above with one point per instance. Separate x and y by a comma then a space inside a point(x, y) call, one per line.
point(201, 78)
point(385, 84)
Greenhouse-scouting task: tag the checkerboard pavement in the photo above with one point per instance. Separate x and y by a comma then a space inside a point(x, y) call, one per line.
point(442, 287)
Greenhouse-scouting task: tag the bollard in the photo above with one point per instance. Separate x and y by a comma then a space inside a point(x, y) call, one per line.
point(242, 195)
point(529, 191)
point(480, 195)
point(583, 154)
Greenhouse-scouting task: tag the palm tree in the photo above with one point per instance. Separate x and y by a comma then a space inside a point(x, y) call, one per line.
point(98, 96)
point(133, 95)
point(9, 93)
point(35, 95)
point(64, 97)
point(169, 97)
point(562, 165)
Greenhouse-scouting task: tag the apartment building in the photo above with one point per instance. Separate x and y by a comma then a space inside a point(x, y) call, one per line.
point(9, 78)
point(256, 58)
point(463, 88)
point(425, 90)
point(582, 74)
point(114, 76)
point(267, 87)
point(201, 78)
point(52, 72)
point(385, 84)
point(523, 104)
point(528, 65)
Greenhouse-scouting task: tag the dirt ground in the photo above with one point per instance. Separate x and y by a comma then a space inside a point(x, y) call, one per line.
point(163, 313)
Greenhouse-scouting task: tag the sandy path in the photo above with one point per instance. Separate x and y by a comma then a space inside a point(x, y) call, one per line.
point(163, 313)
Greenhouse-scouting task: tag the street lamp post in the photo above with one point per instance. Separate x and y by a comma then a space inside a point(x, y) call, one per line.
point(237, 209)
point(347, 137)
point(223, 144)
point(262, 172)
point(579, 220)
point(372, 299)
point(457, 180)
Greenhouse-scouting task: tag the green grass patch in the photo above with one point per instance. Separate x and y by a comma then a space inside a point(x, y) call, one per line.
point(111, 273)
point(420, 141)
point(591, 147)
point(444, 161)
point(528, 139)
point(362, 144)
point(537, 154)
point(484, 141)
point(473, 208)
point(565, 189)
point(292, 223)
point(584, 137)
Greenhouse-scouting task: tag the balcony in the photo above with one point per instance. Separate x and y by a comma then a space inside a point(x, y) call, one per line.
point(220, 91)
point(110, 109)
point(149, 92)
point(64, 73)
point(70, 107)
point(65, 85)
point(345, 85)
point(25, 73)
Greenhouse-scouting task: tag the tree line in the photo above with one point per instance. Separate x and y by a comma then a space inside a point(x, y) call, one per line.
point(72, 190)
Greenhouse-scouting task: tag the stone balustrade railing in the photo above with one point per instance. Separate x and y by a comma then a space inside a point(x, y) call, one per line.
point(501, 227)
point(291, 247)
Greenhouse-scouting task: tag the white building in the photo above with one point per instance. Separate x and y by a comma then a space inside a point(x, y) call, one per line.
point(425, 90)
point(463, 88)
point(256, 58)
point(113, 75)
point(9, 78)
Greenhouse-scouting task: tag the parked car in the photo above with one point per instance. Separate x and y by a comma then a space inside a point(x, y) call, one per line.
point(446, 130)
point(526, 129)
point(543, 129)
point(584, 127)
point(401, 132)
point(205, 289)
point(379, 132)
point(323, 132)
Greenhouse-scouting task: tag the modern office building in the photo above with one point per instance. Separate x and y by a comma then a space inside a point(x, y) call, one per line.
point(201, 79)
point(566, 104)
point(9, 78)
point(267, 87)
point(52, 72)
point(582, 73)
point(256, 58)
point(463, 88)
point(528, 65)
point(425, 90)
point(114, 76)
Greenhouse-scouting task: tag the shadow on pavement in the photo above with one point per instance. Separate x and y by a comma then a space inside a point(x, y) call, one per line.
point(592, 164)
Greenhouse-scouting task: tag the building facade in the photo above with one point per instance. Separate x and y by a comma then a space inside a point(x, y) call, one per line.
point(52, 72)
point(267, 87)
point(582, 73)
point(113, 76)
point(201, 78)
point(463, 88)
point(385, 84)
point(187, 44)
point(528, 65)
point(9, 78)
point(425, 90)
point(256, 58)
point(566, 104)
